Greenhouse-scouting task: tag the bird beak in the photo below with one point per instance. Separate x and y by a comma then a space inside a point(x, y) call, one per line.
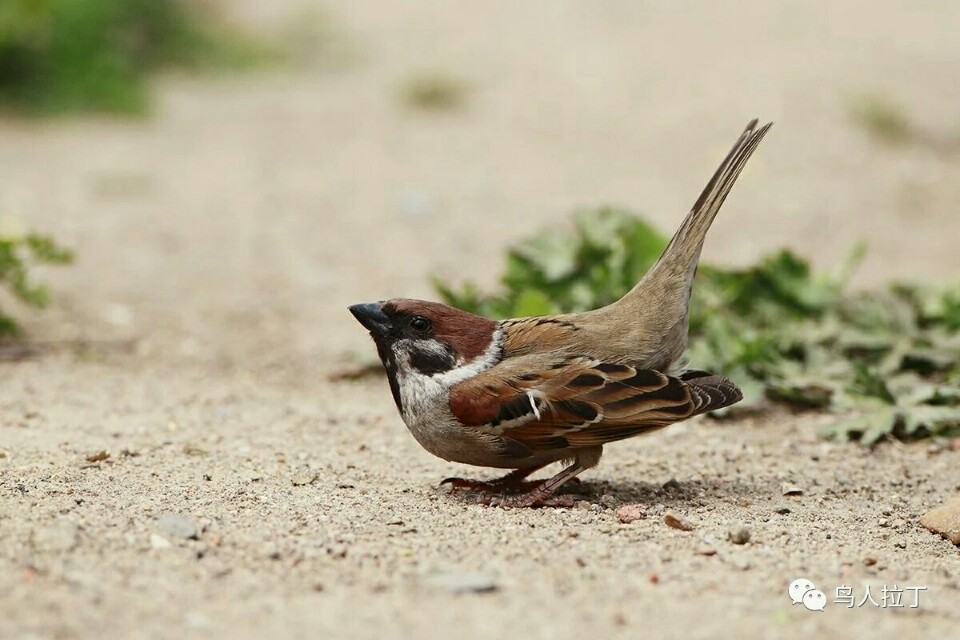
point(371, 317)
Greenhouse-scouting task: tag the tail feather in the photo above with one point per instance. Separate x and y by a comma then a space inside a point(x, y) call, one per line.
point(659, 302)
point(683, 252)
point(713, 392)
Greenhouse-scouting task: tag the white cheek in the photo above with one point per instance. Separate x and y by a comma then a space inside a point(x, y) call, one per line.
point(418, 392)
point(422, 393)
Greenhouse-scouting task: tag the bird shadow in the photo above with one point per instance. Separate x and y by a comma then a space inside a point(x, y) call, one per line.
point(673, 493)
point(670, 494)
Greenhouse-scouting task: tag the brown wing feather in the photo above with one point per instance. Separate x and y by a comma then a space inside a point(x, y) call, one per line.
point(522, 336)
point(580, 402)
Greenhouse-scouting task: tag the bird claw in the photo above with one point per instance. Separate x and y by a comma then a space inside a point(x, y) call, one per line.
point(498, 486)
point(492, 487)
point(512, 491)
point(463, 483)
point(531, 499)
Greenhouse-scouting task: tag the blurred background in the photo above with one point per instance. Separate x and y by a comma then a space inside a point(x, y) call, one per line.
point(232, 174)
point(229, 175)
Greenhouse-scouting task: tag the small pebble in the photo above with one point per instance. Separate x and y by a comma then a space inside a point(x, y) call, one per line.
point(677, 522)
point(631, 512)
point(790, 489)
point(742, 564)
point(781, 508)
point(99, 456)
point(869, 561)
point(609, 501)
point(739, 534)
point(158, 542)
point(302, 479)
point(944, 520)
point(706, 550)
point(270, 551)
point(672, 485)
point(461, 582)
point(178, 526)
point(192, 450)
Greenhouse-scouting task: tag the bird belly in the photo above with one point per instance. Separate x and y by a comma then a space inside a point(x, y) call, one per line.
point(425, 409)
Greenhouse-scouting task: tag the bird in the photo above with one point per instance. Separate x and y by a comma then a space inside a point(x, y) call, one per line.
point(524, 393)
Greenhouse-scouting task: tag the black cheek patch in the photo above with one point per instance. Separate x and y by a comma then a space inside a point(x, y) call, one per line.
point(432, 361)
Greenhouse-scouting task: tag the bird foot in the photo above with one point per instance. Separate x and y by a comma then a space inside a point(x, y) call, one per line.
point(514, 491)
point(506, 484)
point(530, 499)
point(491, 487)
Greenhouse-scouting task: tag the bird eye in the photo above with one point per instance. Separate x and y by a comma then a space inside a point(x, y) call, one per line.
point(419, 324)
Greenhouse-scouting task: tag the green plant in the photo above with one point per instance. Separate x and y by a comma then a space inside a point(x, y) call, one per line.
point(81, 55)
point(434, 91)
point(889, 122)
point(890, 359)
point(17, 255)
point(881, 118)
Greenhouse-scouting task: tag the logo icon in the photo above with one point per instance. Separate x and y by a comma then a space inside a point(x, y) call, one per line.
point(803, 591)
point(815, 600)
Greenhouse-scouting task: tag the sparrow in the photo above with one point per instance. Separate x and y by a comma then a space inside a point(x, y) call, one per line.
point(524, 393)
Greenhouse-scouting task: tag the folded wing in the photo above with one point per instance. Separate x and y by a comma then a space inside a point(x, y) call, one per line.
point(582, 402)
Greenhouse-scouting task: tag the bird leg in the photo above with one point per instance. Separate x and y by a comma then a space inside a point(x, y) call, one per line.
point(513, 481)
point(542, 494)
point(539, 495)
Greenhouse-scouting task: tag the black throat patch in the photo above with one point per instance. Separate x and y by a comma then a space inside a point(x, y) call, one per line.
point(390, 366)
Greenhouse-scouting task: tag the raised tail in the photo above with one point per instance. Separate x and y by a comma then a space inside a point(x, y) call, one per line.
point(660, 300)
point(683, 252)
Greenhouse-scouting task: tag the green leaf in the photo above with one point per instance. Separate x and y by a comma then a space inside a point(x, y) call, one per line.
point(550, 257)
point(930, 419)
point(532, 303)
point(867, 382)
point(17, 256)
point(46, 250)
point(801, 393)
point(868, 427)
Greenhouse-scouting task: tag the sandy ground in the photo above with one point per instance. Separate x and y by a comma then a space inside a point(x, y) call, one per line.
point(220, 241)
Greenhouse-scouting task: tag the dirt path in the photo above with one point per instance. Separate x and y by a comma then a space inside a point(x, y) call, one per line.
point(221, 240)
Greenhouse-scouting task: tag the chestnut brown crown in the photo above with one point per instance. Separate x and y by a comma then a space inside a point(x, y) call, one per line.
point(461, 335)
